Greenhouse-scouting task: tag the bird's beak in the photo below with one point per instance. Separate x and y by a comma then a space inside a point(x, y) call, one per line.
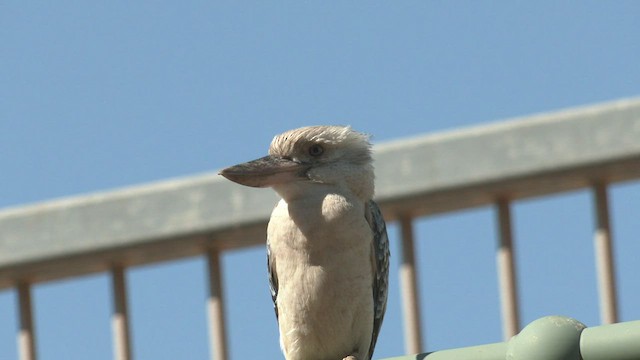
point(266, 171)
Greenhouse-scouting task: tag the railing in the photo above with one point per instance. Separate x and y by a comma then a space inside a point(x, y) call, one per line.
point(588, 147)
point(553, 338)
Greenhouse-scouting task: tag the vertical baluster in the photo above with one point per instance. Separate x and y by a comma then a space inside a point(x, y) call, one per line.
point(604, 257)
point(215, 306)
point(120, 317)
point(409, 285)
point(506, 272)
point(26, 334)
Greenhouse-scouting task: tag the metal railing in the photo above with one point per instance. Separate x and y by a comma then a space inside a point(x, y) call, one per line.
point(589, 147)
point(553, 338)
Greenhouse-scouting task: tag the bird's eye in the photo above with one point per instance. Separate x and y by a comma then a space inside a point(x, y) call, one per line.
point(316, 150)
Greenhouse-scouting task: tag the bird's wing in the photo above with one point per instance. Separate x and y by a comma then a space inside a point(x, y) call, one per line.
point(273, 278)
point(380, 265)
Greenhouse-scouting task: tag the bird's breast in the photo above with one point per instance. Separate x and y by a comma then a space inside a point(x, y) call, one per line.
point(322, 253)
point(321, 221)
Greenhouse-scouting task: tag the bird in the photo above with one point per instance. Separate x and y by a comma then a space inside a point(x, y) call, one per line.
point(327, 245)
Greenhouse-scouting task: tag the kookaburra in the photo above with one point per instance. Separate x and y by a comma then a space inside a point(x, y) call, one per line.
point(327, 246)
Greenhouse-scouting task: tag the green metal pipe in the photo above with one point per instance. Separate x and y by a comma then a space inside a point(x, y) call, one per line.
point(481, 352)
point(553, 338)
point(619, 341)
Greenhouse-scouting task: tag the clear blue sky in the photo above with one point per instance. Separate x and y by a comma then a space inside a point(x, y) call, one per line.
point(99, 95)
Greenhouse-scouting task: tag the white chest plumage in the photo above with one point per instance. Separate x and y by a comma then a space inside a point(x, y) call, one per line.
point(322, 247)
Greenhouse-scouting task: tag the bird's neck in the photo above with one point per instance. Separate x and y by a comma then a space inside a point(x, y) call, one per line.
point(293, 192)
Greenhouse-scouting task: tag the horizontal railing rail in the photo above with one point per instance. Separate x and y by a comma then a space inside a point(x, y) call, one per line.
point(553, 338)
point(520, 158)
point(492, 165)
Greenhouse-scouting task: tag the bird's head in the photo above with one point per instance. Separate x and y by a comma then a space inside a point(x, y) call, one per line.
point(333, 156)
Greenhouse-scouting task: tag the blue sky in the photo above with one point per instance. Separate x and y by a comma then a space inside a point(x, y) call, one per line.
point(95, 96)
